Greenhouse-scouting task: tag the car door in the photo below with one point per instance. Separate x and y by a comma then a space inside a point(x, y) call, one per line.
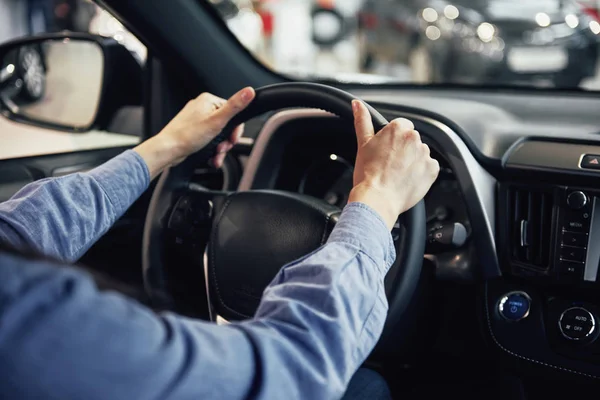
point(59, 117)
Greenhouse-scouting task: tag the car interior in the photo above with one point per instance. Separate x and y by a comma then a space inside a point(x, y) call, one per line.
point(495, 292)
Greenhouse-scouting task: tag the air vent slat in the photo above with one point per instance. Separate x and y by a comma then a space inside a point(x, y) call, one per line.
point(531, 222)
point(531, 215)
point(541, 234)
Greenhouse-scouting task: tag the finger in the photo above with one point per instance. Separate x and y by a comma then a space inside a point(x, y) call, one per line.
point(224, 147)
point(435, 167)
point(411, 137)
point(236, 134)
point(363, 124)
point(211, 98)
point(219, 159)
point(234, 105)
point(426, 150)
point(208, 99)
point(402, 125)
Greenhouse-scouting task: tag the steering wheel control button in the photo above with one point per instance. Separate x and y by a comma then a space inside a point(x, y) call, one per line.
point(577, 239)
point(572, 272)
point(574, 254)
point(590, 161)
point(177, 220)
point(577, 200)
point(514, 306)
point(445, 237)
point(577, 323)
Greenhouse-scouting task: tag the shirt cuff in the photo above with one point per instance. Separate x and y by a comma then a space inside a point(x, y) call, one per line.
point(123, 179)
point(361, 226)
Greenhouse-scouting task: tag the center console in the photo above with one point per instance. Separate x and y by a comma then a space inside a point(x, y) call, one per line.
point(550, 233)
point(545, 309)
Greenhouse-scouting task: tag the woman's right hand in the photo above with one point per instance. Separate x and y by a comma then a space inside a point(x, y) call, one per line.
point(394, 169)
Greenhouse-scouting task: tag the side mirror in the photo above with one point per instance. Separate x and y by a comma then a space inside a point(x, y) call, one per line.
point(67, 81)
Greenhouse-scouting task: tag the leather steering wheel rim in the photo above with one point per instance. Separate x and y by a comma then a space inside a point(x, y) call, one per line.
point(403, 278)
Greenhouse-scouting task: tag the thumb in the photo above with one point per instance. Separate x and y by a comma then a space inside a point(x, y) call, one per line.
point(234, 105)
point(362, 122)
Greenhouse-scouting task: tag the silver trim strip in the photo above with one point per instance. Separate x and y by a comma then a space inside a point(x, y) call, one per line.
point(211, 311)
point(524, 238)
point(593, 252)
point(265, 135)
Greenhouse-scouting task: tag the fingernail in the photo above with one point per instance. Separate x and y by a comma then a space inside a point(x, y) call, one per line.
point(246, 95)
point(355, 106)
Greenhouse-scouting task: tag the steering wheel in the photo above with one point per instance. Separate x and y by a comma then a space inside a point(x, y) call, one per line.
point(252, 234)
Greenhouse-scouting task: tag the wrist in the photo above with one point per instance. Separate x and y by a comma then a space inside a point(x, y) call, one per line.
point(378, 200)
point(158, 152)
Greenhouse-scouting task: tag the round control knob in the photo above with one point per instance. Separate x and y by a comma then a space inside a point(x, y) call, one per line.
point(577, 200)
point(514, 306)
point(577, 323)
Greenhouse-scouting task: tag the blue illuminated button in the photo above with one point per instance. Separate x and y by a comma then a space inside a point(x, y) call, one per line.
point(514, 306)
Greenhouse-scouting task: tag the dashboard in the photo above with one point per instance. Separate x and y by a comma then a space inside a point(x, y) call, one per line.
point(521, 178)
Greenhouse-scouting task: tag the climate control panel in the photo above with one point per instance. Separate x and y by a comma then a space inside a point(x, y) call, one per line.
point(577, 324)
point(572, 328)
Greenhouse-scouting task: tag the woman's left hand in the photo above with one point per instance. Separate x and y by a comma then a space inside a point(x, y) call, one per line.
point(201, 120)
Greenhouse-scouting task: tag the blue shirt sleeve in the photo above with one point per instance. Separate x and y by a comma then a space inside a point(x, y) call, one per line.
point(60, 338)
point(62, 217)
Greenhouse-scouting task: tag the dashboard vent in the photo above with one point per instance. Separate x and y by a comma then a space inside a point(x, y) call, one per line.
point(530, 212)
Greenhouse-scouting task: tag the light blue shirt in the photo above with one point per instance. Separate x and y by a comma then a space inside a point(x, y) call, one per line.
point(63, 338)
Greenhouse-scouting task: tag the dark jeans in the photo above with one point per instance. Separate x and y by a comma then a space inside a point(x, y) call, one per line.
point(367, 384)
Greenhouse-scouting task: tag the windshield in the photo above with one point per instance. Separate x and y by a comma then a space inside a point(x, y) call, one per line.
point(541, 43)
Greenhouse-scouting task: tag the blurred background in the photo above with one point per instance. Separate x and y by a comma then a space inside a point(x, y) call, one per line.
point(29, 17)
point(497, 43)
point(547, 43)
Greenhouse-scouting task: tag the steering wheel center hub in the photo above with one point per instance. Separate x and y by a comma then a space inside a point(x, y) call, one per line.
point(255, 234)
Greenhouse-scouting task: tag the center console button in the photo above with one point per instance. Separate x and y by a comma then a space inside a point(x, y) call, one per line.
point(577, 200)
point(577, 323)
point(571, 272)
point(590, 161)
point(578, 239)
point(569, 253)
point(514, 306)
point(575, 224)
point(576, 221)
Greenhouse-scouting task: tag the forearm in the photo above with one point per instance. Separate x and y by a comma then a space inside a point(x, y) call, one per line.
point(63, 217)
point(317, 322)
point(326, 311)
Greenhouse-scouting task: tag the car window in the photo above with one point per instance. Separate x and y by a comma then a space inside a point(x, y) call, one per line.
point(24, 18)
point(533, 43)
